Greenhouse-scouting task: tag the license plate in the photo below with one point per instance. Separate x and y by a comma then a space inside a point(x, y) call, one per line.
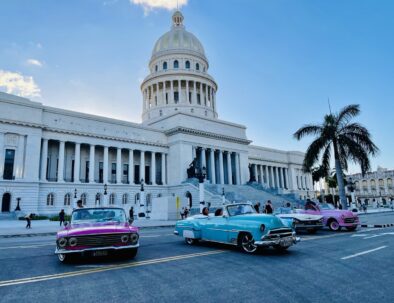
point(100, 253)
point(285, 242)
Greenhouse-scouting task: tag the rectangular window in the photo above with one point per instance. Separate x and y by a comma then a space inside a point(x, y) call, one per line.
point(198, 99)
point(125, 172)
point(136, 174)
point(176, 97)
point(166, 98)
point(9, 160)
point(72, 170)
point(87, 171)
point(190, 97)
point(113, 172)
point(156, 100)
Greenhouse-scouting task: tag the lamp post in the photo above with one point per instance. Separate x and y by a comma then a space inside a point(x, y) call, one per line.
point(105, 195)
point(141, 211)
point(201, 174)
point(223, 197)
point(18, 208)
point(351, 188)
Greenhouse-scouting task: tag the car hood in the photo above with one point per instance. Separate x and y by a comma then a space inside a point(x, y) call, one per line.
point(338, 213)
point(301, 216)
point(96, 228)
point(270, 221)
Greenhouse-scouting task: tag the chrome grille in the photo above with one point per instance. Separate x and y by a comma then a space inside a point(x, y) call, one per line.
point(349, 220)
point(279, 233)
point(100, 240)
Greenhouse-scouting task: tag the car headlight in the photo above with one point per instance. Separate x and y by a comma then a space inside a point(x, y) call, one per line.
point(134, 238)
point(72, 241)
point(62, 242)
point(124, 238)
point(321, 220)
point(262, 228)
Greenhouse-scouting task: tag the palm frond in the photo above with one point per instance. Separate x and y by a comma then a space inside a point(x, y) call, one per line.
point(347, 113)
point(306, 130)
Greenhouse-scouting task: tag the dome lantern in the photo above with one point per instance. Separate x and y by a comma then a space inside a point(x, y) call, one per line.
point(177, 19)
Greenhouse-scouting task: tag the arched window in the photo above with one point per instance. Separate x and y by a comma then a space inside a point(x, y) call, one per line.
point(176, 64)
point(50, 199)
point(197, 66)
point(67, 199)
point(84, 198)
point(389, 183)
point(189, 199)
point(187, 64)
point(125, 198)
point(98, 199)
point(164, 65)
point(112, 199)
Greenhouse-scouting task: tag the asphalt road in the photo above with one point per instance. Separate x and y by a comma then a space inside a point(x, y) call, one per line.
point(333, 267)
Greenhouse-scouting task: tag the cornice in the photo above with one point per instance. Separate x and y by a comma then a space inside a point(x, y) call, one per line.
point(200, 133)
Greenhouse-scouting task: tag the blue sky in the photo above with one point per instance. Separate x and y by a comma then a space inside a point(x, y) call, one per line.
point(276, 62)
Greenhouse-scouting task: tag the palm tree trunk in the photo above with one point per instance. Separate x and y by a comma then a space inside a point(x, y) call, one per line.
point(341, 183)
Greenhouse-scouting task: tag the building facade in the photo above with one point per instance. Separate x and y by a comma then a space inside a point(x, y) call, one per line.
point(49, 156)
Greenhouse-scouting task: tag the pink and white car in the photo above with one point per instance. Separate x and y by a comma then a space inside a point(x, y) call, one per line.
point(334, 218)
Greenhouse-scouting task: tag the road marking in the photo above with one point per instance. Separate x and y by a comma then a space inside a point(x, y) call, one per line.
point(363, 253)
point(108, 268)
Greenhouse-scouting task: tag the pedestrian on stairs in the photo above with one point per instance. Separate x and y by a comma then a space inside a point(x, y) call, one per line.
point(257, 207)
point(268, 207)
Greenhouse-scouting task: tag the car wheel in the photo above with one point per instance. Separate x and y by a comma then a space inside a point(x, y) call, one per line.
point(247, 243)
point(334, 225)
point(351, 228)
point(312, 230)
point(191, 241)
point(66, 258)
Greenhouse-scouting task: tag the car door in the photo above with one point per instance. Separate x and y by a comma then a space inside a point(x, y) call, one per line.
point(216, 229)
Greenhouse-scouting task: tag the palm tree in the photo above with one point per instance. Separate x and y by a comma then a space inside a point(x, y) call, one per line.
point(348, 141)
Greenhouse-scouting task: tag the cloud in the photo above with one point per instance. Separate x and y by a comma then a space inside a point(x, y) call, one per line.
point(150, 5)
point(34, 62)
point(18, 84)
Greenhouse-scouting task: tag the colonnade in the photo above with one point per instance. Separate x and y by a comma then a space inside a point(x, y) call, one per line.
point(179, 91)
point(222, 166)
point(270, 176)
point(103, 171)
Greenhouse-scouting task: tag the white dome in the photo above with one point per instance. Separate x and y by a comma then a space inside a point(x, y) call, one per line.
point(178, 39)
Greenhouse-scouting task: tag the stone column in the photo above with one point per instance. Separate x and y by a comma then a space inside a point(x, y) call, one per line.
point(266, 175)
point(77, 162)
point(206, 92)
point(131, 167)
point(105, 165)
point(255, 172)
point(187, 92)
point(194, 152)
point(203, 158)
point(213, 170)
point(229, 169)
point(282, 178)
point(163, 168)
point(221, 168)
point(118, 165)
point(142, 165)
point(153, 168)
point(91, 163)
point(194, 100)
point(163, 101)
point(60, 171)
point(277, 176)
point(201, 96)
point(237, 170)
point(171, 99)
point(261, 175)
point(44, 159)
point(179, 92)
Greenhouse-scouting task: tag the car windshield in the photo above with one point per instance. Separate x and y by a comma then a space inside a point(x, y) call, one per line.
point(327, 206)
point(240, 209)
point(89, 215)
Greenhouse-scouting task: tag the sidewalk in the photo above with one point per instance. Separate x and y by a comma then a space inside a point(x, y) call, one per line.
point(16, 228)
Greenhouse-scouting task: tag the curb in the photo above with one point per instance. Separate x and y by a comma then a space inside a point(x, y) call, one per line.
point(377, 225)
point(374, 213)
point(54, 233)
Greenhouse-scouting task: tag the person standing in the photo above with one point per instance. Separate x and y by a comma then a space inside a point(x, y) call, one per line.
point(131, 213)
point(28, 220)
point(268, 208)
point(79, 204)
point(186, 212)
point(257, 207)
point(62, 217)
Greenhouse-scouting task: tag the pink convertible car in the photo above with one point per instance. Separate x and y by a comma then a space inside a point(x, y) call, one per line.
point(334, 218)
point(97, 232)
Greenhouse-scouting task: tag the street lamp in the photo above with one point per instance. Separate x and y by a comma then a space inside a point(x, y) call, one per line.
point(105, 194)
point(18, 208)
point(141, 211)
point(201, 173)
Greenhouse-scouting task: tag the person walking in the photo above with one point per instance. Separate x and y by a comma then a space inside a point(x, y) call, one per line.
point(62, 217)
point(186, 212)
point(268, 207)
point(182, 213)
point(28, 220)
point(257, 207)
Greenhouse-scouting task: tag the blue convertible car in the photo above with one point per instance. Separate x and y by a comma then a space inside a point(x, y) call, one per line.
point(238, 224)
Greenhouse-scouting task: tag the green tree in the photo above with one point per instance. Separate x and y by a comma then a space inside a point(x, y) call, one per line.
point(339, 136)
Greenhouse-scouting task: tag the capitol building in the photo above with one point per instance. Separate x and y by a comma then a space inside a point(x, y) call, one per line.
point(49, 157)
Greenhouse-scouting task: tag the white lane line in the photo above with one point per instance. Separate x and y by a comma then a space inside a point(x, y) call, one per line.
point(363, 253)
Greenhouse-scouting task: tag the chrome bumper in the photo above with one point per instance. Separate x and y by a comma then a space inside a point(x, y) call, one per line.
point(68, 251)
point(305, 226)
point(287, 241)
